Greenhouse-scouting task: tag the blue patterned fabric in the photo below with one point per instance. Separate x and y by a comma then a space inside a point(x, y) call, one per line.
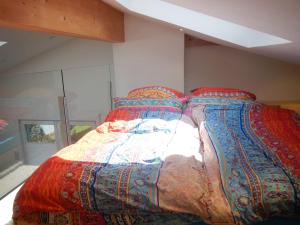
point(161, 114)
point(219, 101)
point(124, 187)
point(255, 188)
point(145, 218)
point(112, 188)
point(142, 102)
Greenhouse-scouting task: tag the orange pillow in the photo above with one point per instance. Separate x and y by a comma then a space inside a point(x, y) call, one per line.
point(155, 92)
point(230, 93)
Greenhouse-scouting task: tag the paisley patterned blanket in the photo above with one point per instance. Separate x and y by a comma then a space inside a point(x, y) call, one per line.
point(258, 151)
point(139, 167)
point(237, 164)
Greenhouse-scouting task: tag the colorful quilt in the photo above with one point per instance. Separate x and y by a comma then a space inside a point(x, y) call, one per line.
point(141, 166)
point(221, 161)
point(258, 150)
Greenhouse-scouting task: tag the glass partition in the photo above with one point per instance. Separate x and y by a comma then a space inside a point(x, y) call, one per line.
point(87, 91)
point(88, 98)
point(30, 127)
point(42, 112)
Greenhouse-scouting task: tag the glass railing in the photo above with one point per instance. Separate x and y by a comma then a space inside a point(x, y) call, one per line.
point(29, 134)
point(42, 112)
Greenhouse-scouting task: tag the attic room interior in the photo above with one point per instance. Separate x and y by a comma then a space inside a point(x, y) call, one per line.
point(149, 112)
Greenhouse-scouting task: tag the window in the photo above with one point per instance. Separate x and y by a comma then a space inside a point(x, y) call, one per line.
point(40, 133)
point(79, 129)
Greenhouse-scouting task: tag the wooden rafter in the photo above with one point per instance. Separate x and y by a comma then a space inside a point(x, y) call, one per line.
point(91, 19)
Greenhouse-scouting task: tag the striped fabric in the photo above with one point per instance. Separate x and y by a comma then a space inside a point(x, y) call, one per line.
point(229, 93)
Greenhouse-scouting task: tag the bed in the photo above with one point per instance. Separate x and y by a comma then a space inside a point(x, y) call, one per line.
point(162, 158)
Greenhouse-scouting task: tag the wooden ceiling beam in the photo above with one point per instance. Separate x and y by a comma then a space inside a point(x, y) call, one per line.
point(92, 19)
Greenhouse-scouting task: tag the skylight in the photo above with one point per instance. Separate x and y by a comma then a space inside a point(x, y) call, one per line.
point(2, 43)
point(208, 25)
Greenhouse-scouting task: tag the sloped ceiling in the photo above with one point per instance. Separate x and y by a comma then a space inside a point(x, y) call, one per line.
point(276, 17)
point(23, 45)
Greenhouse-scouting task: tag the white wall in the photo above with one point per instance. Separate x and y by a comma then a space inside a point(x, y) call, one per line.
point(88, 61)
point(74, 53)
point(153, 54)
point(218, 66)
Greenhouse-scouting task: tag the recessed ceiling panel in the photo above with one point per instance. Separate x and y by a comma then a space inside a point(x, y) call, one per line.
point(202, 23)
